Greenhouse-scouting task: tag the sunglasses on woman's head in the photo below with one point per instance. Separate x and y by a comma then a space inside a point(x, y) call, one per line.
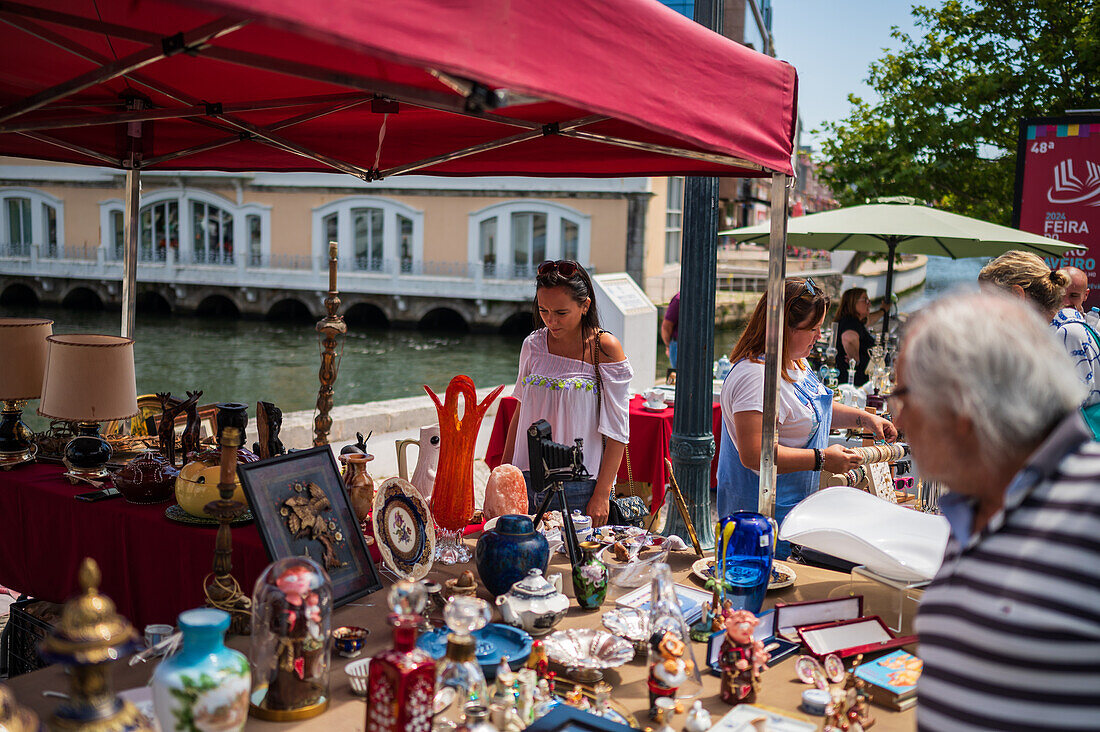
point(811, 287)
point(564, 267)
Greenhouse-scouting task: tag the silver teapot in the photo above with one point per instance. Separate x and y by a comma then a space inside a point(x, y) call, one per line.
point(535, 603)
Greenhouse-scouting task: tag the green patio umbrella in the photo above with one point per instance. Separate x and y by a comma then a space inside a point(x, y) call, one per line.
point(904, 226)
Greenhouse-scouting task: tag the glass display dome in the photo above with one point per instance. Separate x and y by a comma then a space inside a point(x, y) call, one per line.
point(291, 640)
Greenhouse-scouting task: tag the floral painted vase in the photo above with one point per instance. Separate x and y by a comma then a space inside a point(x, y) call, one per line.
point(505, 554)
point(205, 687)
point(590, 578)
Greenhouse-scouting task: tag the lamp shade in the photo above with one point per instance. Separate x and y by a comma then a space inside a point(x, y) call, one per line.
point(23, 350)
point(89, 378)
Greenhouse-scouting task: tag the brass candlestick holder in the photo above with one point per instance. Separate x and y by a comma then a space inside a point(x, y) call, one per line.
point(222, 590)
point(331, 327)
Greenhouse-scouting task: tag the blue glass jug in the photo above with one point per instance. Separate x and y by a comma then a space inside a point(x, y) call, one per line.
point(743, 558)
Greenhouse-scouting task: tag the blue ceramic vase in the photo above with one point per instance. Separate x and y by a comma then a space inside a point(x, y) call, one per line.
point(206, 685)
point(506, 553)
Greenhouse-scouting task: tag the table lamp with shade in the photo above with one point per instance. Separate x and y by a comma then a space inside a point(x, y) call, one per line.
point(23, 350)
point(89, 379)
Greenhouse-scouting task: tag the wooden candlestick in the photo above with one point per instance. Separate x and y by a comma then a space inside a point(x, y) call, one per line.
point(222, 590)
point(330, 327)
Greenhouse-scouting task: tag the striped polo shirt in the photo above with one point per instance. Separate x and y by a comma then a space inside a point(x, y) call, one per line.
point(1010, 627)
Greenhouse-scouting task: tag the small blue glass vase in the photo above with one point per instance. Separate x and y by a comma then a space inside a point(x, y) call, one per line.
point(505, 554)
point(205, 685)
point(743, 559)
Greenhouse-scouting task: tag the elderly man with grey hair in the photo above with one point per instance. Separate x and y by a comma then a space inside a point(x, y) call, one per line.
point(1010, 627)
point(1077, 291)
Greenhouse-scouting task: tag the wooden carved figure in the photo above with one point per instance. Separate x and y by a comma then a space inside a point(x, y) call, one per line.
point(166, 430)
point(269, 420)
point(742, 658)
point(189, 441)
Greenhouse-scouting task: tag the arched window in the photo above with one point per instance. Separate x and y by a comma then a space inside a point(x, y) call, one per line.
point(30, 217)
point(197, 226)
point(510, 240)
point(374, 234)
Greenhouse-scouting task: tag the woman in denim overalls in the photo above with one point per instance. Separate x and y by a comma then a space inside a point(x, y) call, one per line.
point(802, 452)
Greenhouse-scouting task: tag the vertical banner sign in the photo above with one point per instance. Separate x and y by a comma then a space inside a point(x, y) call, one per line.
point(1058, 187)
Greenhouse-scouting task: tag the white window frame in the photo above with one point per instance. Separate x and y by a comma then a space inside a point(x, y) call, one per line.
point(38, 199)
point(677, 208)
point(184, 197)
point(554, 212)
point(345, 236)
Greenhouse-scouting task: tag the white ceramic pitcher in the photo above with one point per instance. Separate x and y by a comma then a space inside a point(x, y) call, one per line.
point(424, 475)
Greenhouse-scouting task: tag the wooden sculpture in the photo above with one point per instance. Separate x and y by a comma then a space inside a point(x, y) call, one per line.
point(189, 441)
point(166, 430)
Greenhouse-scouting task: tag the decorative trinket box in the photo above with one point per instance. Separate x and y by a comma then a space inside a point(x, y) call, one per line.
point(789, 617)
point(848, 638)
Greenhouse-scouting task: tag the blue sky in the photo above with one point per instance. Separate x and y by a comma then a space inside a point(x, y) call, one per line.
point(832, 43)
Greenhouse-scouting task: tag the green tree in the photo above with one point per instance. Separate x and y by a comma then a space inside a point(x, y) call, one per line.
point(946, 128)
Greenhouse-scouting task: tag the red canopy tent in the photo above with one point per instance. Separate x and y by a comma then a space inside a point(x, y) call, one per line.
point(381, 88)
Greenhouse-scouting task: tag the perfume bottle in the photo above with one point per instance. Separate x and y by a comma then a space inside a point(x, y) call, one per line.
point(460, 669)
point(401, 681)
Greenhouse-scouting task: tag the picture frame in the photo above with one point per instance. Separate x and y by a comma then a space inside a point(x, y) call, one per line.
point(691, 600)
point(564, 718)
point(289, 495)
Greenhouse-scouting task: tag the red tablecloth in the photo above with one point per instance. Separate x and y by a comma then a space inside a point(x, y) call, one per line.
point(152, 568)
point(649, 436)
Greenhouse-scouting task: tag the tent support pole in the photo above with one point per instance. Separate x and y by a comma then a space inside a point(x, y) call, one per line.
point(892, 243)
point(130, 242)
point(773, 342)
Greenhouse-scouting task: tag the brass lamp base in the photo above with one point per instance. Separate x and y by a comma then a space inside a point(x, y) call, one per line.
point(84, 475)
point(9, 460)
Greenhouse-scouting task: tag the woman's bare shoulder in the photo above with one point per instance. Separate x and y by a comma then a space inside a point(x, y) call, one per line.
point(611, 349)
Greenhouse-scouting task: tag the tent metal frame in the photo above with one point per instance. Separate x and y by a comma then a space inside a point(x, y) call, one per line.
point(471, 102)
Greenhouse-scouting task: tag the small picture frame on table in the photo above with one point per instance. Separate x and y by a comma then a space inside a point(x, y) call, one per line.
point(564, 718)
point(302, 509)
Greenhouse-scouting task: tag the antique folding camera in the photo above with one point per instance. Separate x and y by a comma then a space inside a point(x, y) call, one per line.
point(553, 462)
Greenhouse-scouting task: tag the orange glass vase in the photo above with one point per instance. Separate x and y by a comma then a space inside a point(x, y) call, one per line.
point(453, 494)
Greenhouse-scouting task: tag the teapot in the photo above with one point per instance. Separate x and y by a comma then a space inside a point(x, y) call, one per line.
point(535, 603)
point(424, 475)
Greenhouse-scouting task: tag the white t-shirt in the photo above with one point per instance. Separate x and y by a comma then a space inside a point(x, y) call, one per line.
point(743, 391)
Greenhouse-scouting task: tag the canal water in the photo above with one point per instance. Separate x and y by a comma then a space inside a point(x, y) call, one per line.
point(252, 360)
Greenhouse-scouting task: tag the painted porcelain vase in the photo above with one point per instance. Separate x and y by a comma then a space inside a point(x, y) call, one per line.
point(506, 553)
point(206, 685)
point(590, 578)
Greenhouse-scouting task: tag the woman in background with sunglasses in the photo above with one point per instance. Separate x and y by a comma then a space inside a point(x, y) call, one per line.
point(806, 412)
point(559, 382)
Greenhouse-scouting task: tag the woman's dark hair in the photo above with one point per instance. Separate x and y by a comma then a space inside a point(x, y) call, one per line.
point(803, 303)
point(848, 302)
point(579, 287)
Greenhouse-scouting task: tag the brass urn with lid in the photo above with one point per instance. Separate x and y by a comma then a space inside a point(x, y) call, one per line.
point(90, 635)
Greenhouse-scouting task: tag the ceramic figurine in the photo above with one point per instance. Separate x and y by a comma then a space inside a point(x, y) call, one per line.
point(701, 631)
point(666, 675)
point(205, 685)
point(189, 440)
point(401, 680)
point(453, 496)
point(866, 719)
point(741, 658)
point(505, 554)
point(463, 585)
point(505, 493)
point(577, 700)
point(291, 639)
point(546, 700)
point(538, 661)
point(590, 577)
point(698, 719)
point(602, 693)
point(535, 604)
point(525, 704)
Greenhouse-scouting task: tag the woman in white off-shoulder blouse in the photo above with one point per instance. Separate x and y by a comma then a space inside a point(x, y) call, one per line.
point(557, 382)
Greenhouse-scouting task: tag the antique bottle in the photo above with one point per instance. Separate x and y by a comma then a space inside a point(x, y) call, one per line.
point(401, 681)
point(590, 578)
point(205, 685)
point(291, 640)
point(359, 485)
point(459, 670)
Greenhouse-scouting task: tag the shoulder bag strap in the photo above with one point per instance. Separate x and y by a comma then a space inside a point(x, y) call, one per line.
point(599, 409)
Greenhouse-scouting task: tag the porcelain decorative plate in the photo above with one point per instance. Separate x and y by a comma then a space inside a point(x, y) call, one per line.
point(404, 528)
point(782, 574)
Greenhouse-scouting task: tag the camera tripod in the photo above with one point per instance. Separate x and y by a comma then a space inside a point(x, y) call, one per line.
point(569, 534)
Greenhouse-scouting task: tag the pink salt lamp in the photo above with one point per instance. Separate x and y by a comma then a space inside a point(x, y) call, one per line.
point(505, 492)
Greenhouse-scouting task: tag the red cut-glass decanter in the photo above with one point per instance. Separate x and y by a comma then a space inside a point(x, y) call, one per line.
point(401, 680)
